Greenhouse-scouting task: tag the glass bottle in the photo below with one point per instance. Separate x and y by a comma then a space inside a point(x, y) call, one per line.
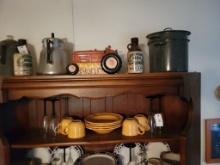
point(22, 60)
point(151, 118)
point(159, 118)
point(135, 57)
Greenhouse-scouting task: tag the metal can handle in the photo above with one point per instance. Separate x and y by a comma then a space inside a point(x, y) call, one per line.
point(167, 29)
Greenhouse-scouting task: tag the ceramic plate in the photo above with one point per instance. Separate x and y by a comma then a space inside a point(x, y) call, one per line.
point(104, 118)
point(42, 153)
point(46, 155)
point(154, 149)
point(75, 151)
point(98, 158)
point(122, 153)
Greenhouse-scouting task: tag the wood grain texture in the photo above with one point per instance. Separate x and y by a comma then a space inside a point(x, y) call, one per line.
point(120, 93)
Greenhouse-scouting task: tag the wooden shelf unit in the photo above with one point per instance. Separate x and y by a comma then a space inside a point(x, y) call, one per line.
point(120, 93)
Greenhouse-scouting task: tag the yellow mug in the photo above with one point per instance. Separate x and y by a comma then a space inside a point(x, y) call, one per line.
point(75, 130)
point(143, 121)
point(131, 127)
point(64, 124)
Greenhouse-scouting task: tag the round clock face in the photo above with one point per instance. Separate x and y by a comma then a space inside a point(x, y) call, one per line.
point(111, 63)
point(72, 69)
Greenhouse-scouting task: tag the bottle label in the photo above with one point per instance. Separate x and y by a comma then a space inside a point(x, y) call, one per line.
point(22, 64)
point(135, 62)
point(158, 120)
point(22, 49)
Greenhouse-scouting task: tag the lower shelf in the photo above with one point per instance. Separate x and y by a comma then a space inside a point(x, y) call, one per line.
point(37, 139)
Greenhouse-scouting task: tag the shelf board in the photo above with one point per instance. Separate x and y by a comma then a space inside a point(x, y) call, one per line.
point(92, 86)
point(37, 139)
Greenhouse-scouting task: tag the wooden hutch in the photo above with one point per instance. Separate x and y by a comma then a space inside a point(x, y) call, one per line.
point(21, 110)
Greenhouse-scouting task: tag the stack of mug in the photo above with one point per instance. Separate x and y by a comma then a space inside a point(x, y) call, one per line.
point(131, 126)
point(136, 125)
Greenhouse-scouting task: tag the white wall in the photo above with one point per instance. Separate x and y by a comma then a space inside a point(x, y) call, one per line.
point(93, 24)
point(36, 19)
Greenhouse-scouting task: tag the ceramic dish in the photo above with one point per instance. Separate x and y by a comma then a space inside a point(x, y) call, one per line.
point(98, 158)
point(154, 149)
point(104, 118)
point(103, 130)
point(170, 157)
point(154, 161)
point(72, 152)
point(102, 126)
point(123, 153)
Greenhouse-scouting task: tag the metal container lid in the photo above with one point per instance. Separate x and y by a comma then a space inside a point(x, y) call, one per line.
point(169, 33)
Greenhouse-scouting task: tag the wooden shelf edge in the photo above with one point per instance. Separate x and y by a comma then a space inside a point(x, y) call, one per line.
point(91, 139)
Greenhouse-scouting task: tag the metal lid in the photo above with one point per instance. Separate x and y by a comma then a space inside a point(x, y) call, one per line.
point(55, 42)
point(169, 33)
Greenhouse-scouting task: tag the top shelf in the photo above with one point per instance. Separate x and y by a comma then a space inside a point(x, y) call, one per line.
point(89, 85)
point(98, 77)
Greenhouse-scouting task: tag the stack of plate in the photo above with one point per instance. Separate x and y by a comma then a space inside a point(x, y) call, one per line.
point(103, 123)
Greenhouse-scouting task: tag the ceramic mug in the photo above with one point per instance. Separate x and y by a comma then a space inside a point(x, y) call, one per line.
point(143, 121)
point(131, 127)
point(75, 130)
point(64, 124)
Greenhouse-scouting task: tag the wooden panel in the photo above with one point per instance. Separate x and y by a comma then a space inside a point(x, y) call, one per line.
point(75, 106)
point(109, 104)
point(120, 104)
point(98, 105)
point(127, 104)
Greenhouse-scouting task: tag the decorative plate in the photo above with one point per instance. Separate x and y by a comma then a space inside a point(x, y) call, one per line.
point(123, 154)
point(154, 149)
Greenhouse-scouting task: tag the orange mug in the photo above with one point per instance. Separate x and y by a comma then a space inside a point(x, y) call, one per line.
point(64, 124)
point(131, 127)
point(75, 130)
point(143, 121)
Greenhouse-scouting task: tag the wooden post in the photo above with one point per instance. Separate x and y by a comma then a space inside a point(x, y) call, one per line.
point(4, 152)
point(1, 100)
point(182, 144)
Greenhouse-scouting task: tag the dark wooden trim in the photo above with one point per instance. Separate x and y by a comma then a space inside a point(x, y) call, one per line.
point(1, 97)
